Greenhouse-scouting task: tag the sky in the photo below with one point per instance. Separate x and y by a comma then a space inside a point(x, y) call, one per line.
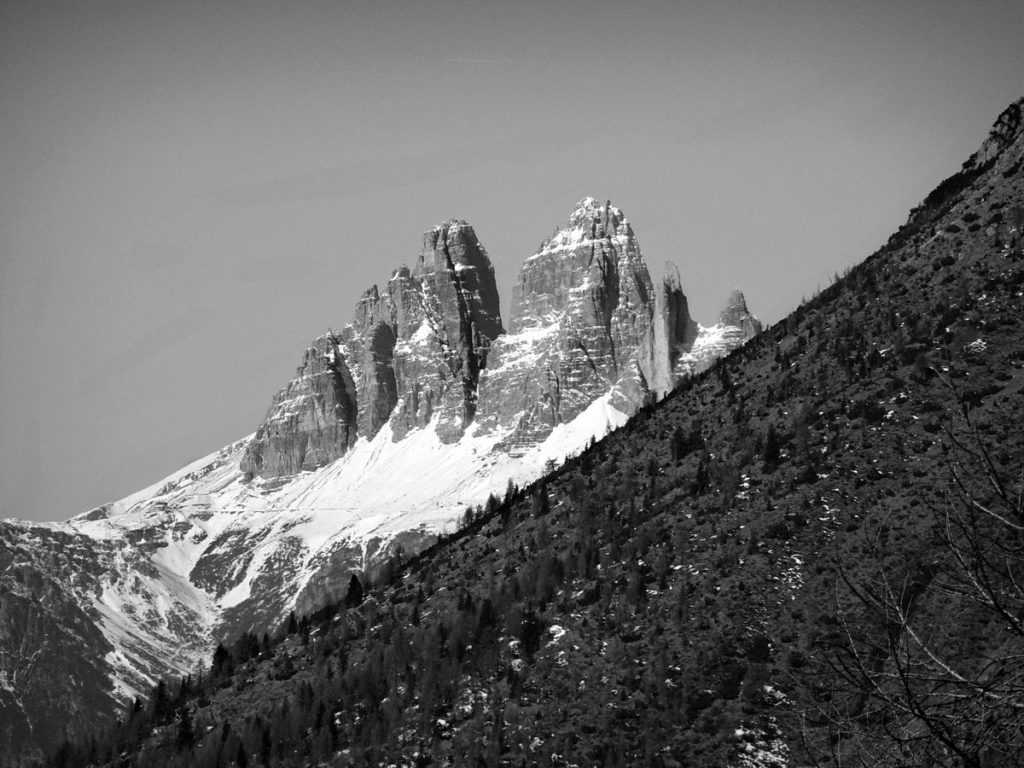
point(190, 192)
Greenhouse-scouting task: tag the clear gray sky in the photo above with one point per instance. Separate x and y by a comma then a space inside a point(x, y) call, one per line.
point(191, 191)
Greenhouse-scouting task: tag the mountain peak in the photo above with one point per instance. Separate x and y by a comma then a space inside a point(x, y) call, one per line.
point(449, 222)
point(591, 209)
point(736, 302)
point(671, 278)
point(453, 254)
point(590, 220)
point(737, 315)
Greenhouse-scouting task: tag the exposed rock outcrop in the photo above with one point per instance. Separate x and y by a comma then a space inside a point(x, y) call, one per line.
point(736, 315)
point(672, 336)
point(735, 326)
point(442, 359)
point(580, 311)
point(586, 322)
point(412, 352)
point(312, 421)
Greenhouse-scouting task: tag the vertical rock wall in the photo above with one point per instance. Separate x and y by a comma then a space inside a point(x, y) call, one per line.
point(737, 315)
point(312, 421)
point(412, 353)
point(673, 333)
point(581, 311)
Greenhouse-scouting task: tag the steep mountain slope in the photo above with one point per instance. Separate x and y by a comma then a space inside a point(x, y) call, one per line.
point(419, 408)
point(763, 565)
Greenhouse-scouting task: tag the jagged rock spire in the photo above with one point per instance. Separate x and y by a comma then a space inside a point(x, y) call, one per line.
point(413, 352)
point(673, 332)
point(581, 313)
point(736, 314)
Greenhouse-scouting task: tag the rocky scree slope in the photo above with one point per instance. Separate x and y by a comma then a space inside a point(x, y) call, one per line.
point(685, 592)
point(392, 426)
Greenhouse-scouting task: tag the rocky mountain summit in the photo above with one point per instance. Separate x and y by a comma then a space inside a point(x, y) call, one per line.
point(411, 353)
point(582, 309)
point(421, 406)
point(588, 322)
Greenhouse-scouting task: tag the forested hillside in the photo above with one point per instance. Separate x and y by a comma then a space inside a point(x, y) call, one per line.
point(807, 555)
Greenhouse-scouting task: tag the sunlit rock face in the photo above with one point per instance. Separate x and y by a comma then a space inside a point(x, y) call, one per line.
point(412, 354)
point(736, 315)
point(455, 299)
point(587, 320)
point(581, 310)
point(312, 421)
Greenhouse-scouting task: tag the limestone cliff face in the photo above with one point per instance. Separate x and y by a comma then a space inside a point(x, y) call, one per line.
point(673, 333)
point(460, 270)
point(442, 358)
point(312, 421)
point(375, 325)
point(429, 348)
point(412, 353)
point(587, 321)
point(581, 310)
point(735, 326)
point(736, 314)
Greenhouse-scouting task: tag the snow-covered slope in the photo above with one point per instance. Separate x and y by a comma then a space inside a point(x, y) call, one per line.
point(419, 408)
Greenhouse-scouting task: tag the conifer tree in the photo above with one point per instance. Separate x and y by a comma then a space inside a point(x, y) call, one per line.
point(772, 448)
point(540, 505)
point(354, 596)
point(186, 734)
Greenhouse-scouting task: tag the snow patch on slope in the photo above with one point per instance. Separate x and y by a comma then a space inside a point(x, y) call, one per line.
point(429, 483)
